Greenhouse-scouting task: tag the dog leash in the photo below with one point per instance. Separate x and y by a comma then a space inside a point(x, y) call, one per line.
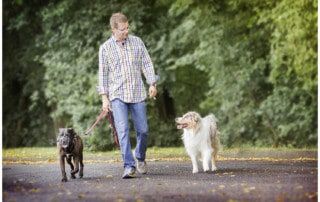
point(95, 123)
point(111, 122)
point(113, 128)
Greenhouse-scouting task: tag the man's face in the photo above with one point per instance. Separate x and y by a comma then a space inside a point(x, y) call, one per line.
point(121, 32)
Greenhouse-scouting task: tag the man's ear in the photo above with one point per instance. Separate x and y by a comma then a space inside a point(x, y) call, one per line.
point(113, 29)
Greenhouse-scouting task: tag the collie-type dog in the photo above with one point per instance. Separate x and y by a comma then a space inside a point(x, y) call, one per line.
point(201, 139)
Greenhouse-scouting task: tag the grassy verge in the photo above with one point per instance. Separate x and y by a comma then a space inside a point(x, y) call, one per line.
point(50, 155)
point(51, 152)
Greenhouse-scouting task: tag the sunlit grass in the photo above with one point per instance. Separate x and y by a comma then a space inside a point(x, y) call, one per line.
point(30, 153)
point(51, 153)
point(39, 153)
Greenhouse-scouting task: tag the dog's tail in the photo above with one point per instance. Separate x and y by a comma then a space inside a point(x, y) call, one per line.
point(212, 118)
point(214, 132)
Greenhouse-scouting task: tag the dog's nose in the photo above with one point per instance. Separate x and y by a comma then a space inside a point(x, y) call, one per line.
point(64, 140)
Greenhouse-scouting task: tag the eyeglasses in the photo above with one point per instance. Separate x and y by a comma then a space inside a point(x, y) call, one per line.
point(124, 29)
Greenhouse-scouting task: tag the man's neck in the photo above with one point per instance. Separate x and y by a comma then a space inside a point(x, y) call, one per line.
point(119, 40)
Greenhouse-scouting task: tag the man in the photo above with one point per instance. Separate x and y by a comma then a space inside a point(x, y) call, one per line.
point(122, 60)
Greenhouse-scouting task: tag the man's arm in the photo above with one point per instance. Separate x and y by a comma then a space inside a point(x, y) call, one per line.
point(103, 71)
point(103, 79)
point(148, 68)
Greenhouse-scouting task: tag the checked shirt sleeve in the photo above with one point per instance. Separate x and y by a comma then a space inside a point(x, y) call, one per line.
point(147, 69)
point(103, 71)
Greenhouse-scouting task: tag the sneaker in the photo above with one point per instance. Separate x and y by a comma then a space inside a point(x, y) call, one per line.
point(142, 167)
point(128, 173)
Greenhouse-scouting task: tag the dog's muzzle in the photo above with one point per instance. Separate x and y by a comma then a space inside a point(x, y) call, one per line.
point(182, 126)
point(64, 141)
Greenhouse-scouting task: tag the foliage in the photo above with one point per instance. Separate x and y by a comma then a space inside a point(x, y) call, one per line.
point(293, 61)
point(237, 54)
point(253, 64)
point(25, 113)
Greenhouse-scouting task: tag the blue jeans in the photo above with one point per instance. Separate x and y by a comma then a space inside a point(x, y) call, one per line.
point(139, 117)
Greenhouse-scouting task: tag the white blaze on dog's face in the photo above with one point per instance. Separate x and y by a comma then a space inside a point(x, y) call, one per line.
point(188, 121)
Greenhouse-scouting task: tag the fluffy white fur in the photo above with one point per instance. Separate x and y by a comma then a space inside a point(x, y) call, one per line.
point(201, 139)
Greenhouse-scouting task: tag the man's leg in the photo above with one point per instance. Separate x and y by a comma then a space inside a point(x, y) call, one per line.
point(120, 113)
point(139, 117)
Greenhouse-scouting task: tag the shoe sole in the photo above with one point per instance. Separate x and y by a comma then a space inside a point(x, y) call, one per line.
point(145, 172)
point(128, 176)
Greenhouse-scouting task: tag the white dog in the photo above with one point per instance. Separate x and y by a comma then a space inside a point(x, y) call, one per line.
point(200, 138)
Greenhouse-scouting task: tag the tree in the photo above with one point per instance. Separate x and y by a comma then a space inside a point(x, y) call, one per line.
point(230, 43)
point(292, 106)
point(25, 114)
point(251, 63)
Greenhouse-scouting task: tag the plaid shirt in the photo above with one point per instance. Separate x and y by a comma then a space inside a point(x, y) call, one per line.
point(120, 67)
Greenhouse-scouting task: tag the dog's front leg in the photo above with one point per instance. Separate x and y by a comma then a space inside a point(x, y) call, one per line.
point(69, 161)
point(76, 166)
point(194, 164)
point(62, 168)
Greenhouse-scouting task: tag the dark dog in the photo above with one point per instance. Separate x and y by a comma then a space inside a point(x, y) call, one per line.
point(70, 146)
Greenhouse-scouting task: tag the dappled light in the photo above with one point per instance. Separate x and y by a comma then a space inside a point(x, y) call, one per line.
point(251, 63)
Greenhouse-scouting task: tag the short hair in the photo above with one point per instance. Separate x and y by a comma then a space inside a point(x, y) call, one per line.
point(117, 18)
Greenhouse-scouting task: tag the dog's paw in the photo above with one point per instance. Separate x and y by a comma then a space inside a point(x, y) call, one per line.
point(64, 180)
point(206, 168)
point(73, 176)
point(214, 168)
point(195, 171)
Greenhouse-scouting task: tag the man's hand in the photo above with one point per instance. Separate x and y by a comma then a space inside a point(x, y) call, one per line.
point(152, 91)
point(106, 106)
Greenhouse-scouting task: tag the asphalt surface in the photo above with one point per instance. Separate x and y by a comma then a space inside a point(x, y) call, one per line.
point(238, 179)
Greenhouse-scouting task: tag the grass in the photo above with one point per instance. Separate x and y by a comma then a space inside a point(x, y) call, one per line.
point(161, 152)
point(51, 152)
point(27, 155)
point(31, 155)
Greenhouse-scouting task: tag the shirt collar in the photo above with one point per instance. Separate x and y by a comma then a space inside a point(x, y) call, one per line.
point(114, 38)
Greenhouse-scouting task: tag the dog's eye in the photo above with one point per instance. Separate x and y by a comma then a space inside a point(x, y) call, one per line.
point(189, 117)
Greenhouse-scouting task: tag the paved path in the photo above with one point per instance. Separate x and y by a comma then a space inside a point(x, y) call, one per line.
point(236, 180)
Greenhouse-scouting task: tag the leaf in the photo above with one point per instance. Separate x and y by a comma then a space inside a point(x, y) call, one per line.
point(34, 190)
point(80, 196)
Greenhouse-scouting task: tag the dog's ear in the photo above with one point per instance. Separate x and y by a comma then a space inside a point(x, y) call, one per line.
point(195, 117)
point(61, 131)
point(71, 131)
